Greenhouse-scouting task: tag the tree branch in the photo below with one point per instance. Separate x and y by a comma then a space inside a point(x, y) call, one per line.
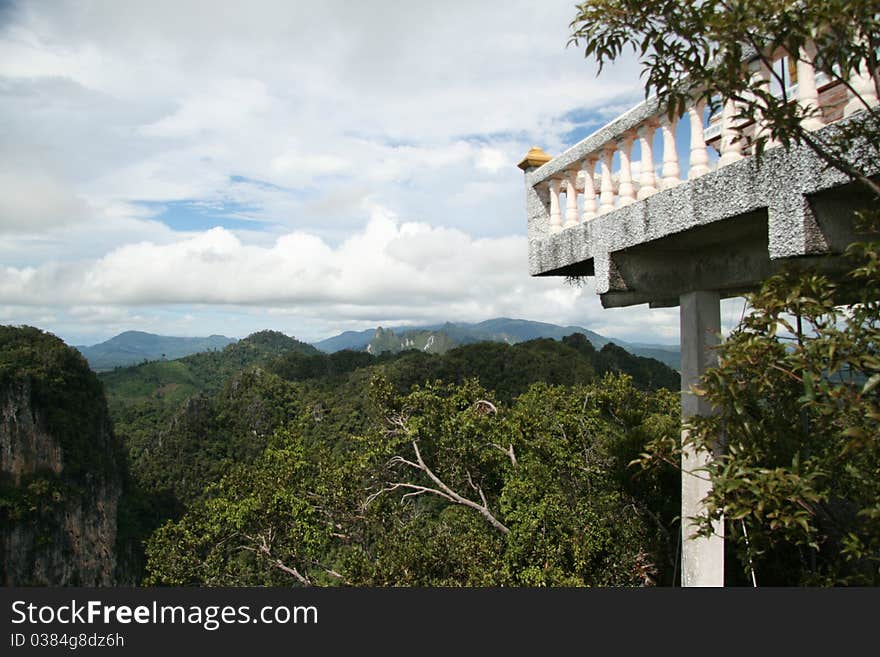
point(458, 499)
point(263, 547)
point(508, 452)
point(439, 489)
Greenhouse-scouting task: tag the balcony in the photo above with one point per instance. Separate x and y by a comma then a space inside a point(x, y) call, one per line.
point(694, 210)
point(694, 219)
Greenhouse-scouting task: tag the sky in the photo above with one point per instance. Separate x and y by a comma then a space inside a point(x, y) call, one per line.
point(192, 168)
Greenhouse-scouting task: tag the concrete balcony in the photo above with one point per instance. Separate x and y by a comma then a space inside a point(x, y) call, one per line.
point(649, 235)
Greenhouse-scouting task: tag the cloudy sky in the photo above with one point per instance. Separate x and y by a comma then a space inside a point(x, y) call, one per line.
point(189, 168)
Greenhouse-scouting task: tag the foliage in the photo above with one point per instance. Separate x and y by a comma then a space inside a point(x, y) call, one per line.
point(550, 469)
point(798, 405)
point(693, 51)
point(65, 393)
point(796, 391)
point(800, 417)
point(509, 370)
point(255, 527)
point(35, 496)
point(192, 459)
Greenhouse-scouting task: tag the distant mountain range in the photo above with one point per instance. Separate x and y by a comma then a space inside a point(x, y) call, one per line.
point(133, 347)
point(439, 338)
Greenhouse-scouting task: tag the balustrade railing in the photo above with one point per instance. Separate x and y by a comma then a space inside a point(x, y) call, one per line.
point(586, 176)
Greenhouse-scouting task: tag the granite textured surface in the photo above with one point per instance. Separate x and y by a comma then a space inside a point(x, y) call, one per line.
point(793, 189)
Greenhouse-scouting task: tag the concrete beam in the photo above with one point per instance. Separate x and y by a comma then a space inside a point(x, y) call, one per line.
point(803, 209)
point(702, 559)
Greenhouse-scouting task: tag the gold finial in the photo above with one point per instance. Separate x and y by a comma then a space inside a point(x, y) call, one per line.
point(534, 158)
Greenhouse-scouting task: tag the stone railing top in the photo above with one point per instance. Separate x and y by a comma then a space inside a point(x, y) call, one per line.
point(611, 131)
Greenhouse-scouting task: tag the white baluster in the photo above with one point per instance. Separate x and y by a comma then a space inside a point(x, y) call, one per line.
point(863, 84)
point(671, 171)
point(625, 189)
point(761, 79)
point(571, 204)
point(808, 95)
point(555, 217)
point(606, 196)
point(699, 159)
point(731, 146)
point(647, 180)
point(589, 203)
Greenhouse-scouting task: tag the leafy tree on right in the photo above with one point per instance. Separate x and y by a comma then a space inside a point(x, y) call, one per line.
point(797, 391)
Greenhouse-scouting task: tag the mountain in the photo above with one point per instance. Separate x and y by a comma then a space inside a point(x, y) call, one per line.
point(173, 381)
point(188, 423)
point(326, 424)
point(134, 347)
point(354, 340)
point(432, 342)
point(443, 337)
point(62, 469)
point(229, 413)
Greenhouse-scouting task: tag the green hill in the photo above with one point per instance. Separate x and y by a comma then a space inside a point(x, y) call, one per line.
point(432, 342)
point(439, 338)
point(146, 395)
point(296, 451)
point(175, 380)
point(187, 423)
point(134, 347)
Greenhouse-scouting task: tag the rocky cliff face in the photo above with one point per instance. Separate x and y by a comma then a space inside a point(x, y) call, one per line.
point(61, 469)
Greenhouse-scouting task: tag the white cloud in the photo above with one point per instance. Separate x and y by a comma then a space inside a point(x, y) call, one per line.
point(31, 201)
point(387, 272)
point(385, 265)
point(492, 160)
point(169, 101)
point(297, 115)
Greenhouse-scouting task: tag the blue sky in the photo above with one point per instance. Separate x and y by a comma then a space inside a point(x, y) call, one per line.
point(190, 172)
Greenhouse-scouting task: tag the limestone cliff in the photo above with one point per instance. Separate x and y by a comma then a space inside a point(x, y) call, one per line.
point(61, 468)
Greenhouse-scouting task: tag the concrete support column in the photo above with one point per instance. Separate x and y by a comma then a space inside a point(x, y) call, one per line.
point(702, 559)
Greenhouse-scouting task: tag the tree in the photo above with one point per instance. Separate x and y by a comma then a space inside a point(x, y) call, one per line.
point(693, 51)
point(445, 487)
point(796, 391)
point(798, 405)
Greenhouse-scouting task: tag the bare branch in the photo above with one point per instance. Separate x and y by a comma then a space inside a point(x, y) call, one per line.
point(508, 452)
point(399, 460)
point(440, 489)
point(263, 547)
point(458, 499)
